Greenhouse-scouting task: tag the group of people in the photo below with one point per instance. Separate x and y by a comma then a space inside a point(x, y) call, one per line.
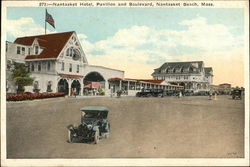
point(73, 92)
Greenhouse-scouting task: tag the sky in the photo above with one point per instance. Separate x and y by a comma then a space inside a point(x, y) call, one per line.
point(138, 40)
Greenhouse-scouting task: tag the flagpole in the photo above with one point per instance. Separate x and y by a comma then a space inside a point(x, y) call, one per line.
point(45, 20)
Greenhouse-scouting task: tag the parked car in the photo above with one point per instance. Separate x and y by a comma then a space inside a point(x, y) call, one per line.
point(172, 93)
point(188, 93)
point(150, 93)
point(236, 93)
point(202, 93)
point(144, 93)
point(94, 125)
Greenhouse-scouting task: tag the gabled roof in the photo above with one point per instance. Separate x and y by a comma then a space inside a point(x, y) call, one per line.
point(52, 44)
point(180, 65)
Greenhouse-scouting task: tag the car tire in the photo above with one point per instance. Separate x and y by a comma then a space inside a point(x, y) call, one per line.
point(97, 137)
point(70, 137)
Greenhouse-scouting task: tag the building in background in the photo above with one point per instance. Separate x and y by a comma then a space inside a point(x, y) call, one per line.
point(222, 89)
point(194, 76)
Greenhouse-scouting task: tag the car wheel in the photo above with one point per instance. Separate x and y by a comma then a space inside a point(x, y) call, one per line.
point(97, 137)
point(160, 95)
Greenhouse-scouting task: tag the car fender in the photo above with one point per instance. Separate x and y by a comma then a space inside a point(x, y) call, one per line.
point(72, 128)
point(95, 128)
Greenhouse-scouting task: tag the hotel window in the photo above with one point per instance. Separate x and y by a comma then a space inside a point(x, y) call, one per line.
point(70, 67)
point(62, 66)
point(23, 50)
point(28, 67)
point(32, 67)
point(71, 52)
point(18, 51)
point(48, 66)
point(36, 49)
point(78, 67)
point(185, 77)
point(39, 66)
point(67, 52)
point(29, 51)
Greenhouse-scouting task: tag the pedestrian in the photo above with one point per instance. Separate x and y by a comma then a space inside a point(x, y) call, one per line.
point(75, 92)
point(210, 95)
point(180, 94)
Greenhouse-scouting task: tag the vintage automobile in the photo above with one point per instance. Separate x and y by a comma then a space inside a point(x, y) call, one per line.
point(94, 125)
point(150, 93)
point(236, 93)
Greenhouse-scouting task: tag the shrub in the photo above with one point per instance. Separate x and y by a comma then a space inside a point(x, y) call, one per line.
point(20, 97)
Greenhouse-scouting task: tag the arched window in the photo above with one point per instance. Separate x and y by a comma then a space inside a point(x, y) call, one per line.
point(76, 54)
point(67, 52)
point(167, 70)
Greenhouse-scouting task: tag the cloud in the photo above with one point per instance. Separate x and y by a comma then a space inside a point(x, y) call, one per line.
point(142, 48)
point(25, 26)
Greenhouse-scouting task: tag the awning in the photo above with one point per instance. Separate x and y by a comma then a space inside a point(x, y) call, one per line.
point(70, 76)
point(92, 85)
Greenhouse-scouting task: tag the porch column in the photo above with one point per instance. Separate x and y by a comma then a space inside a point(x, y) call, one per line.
point(69, 87)
point(106, 87)
point(120, 85)
point(128, 88)
point(81, 88)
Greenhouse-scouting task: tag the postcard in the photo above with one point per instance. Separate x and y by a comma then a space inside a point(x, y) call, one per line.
point(125, 83)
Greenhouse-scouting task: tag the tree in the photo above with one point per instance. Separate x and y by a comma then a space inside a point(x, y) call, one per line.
point(21, 76)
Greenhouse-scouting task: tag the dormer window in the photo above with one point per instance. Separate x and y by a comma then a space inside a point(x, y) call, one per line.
point(36, 49)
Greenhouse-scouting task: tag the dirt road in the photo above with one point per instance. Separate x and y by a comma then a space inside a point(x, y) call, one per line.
point(140, 127)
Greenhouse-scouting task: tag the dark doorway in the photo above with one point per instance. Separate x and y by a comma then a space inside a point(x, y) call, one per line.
point(76, 86)
point(94, 84)
point(63, 86)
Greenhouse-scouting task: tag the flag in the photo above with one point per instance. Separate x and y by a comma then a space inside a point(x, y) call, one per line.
point(50, 19)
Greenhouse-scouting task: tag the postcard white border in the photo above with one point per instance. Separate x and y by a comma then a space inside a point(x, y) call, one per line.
point(126, 161)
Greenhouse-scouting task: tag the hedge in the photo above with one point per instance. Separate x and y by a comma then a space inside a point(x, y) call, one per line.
point(20, 97)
